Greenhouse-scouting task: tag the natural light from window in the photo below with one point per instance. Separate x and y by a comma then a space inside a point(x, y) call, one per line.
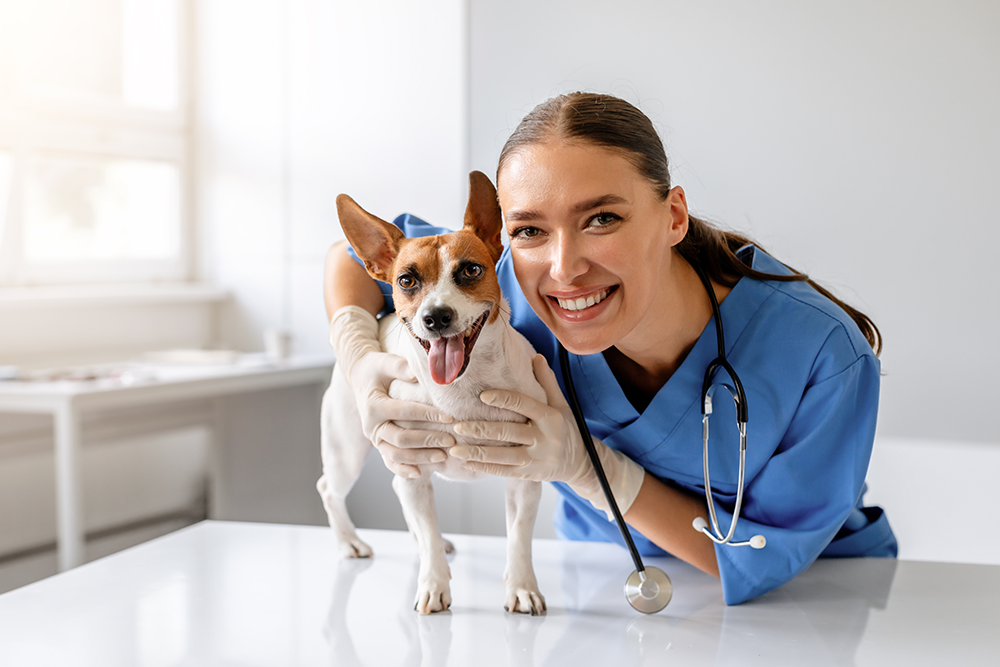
point(94, 141)
point(97, 209)
point(120, 51)
point(6, 168)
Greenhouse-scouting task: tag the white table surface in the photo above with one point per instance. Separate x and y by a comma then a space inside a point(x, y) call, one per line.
point(138, 384)
point(221, 593)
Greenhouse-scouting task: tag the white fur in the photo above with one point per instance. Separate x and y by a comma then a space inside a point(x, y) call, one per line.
point(501, 359)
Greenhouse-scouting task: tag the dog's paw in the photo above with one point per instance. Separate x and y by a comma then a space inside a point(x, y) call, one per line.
point(524, 600)
point(449, 548)
point(432, 597)
point(354, 548)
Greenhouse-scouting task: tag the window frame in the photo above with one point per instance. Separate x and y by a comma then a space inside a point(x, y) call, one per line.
point(32, 122)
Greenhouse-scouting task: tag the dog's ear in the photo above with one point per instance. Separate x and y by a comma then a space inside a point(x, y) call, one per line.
point(375, 240)
point(482, 215)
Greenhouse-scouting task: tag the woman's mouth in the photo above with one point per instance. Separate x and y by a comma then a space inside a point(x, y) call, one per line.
point(584, 302)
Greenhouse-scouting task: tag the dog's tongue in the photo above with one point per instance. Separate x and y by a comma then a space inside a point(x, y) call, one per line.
point(446, 358)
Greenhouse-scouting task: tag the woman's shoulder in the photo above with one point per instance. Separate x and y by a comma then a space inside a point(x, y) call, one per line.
point(414, 227)
point(797, 317)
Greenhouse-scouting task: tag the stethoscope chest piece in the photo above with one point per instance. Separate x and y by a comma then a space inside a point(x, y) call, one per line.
point(650, 593)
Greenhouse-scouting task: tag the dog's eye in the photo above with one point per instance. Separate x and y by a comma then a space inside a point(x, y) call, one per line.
point(472, 271)
point(406, 281)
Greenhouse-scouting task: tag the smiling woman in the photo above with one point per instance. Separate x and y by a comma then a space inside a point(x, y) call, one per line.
point(581, 225)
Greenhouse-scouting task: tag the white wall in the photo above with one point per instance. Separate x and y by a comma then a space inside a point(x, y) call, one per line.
point(938, 496)
point(298, 101)
point(856, 140)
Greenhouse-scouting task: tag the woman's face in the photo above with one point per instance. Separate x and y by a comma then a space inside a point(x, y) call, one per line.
point(591, 242)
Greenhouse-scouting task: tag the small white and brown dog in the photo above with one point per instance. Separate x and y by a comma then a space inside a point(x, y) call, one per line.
point(457, 339)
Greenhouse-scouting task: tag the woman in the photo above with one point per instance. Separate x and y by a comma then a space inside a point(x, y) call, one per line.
point(602, 258)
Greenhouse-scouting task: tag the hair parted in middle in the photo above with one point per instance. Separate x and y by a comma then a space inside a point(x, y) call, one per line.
point(613, 123)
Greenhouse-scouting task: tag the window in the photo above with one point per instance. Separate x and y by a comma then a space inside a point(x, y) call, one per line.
point(93, 141)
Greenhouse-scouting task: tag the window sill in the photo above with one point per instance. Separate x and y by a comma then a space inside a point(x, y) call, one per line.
point(86, 296)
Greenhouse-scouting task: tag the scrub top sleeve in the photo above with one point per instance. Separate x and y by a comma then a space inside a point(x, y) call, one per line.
point(412, 227)
point(804, 493)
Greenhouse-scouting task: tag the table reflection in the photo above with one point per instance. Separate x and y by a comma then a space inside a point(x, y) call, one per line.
point(227, 593)
point(820, 618)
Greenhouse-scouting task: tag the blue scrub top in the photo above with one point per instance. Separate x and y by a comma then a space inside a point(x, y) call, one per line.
point(812, 384)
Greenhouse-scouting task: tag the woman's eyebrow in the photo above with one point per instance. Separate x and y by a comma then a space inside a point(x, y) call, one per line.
point(598, 202)
point(522, 216)
point(582, 207)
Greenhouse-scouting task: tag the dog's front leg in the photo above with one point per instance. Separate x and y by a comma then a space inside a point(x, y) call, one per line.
point(521, 587)
point(417, 498)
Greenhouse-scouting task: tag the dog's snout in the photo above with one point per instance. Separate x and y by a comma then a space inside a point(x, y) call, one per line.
point(438, 319)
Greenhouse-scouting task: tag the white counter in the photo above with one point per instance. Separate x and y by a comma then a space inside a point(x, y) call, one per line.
point(135, 384)
point(250, 594)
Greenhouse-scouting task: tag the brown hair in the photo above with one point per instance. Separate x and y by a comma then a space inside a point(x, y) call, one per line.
point(610, 122)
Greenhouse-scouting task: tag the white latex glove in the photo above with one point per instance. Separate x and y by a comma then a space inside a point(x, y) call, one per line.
point(549, 447)
point(369, 371)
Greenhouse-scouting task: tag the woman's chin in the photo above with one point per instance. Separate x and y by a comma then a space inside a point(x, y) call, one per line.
point(581, 340)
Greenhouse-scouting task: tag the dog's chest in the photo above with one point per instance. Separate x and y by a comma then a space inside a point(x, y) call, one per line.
point(499, 362)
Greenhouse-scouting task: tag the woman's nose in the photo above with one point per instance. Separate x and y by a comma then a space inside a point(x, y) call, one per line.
point(567, 261)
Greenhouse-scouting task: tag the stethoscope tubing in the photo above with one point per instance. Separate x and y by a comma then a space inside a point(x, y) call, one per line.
point(595, 460)
point(742, 416)
point(650, 595)
point(648, 590)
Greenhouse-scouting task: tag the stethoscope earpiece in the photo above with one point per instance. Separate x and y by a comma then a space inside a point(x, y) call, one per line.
point(756, 542)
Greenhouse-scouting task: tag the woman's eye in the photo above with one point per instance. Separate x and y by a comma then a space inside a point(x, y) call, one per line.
point(604, 219)
point(473, 271)
point(406, 281)
point(525, 232)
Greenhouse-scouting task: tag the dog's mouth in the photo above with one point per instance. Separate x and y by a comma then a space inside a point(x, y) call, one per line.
point(448, 356)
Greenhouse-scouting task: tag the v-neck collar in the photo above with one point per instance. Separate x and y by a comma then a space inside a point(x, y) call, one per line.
point(615, 420)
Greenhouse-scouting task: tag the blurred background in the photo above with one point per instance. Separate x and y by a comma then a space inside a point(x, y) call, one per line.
point(168, 170)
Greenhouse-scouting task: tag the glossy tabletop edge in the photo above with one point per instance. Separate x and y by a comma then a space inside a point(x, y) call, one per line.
point(267, 594)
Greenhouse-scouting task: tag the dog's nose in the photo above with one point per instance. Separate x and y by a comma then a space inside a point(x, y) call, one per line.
point(438, 319)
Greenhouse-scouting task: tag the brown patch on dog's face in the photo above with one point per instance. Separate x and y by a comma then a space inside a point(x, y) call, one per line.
point(473, 269)
point(445, 290)
point(417, 268)
point(460, 259)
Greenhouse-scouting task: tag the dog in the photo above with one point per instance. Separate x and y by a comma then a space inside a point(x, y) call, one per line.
point(452, 326)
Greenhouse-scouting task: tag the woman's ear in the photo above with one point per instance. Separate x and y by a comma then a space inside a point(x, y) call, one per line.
point(677, 214)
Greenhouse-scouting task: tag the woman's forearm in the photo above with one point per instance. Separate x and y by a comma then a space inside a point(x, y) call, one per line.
point(664, 515)
point(346, 283)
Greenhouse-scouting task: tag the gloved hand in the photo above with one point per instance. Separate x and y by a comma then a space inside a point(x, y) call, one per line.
point(548, 448)
point(369, 371)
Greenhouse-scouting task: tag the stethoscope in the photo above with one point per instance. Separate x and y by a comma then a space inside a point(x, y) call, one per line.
point(649, 589)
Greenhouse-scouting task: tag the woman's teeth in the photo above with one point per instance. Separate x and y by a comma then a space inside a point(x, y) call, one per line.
point(583, 302)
